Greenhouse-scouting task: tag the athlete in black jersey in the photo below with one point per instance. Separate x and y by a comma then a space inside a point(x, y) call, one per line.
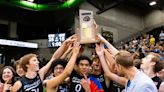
point(34, 85)
point(57, 68)
point(115, 87)
point(77, 77)
point(57, 84)
point(30, 65)
point(98, 73)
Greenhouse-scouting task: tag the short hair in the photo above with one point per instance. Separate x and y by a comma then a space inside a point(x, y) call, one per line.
point(25, 60)
point(16, 63)
point(83, 58)
point(159, 64)
point(124, 58)
point(137, 63)
point(56, 62)
point(96, 58)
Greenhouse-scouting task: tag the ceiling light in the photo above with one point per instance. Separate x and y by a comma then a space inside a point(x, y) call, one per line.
point(30, 0)
point(152, 3)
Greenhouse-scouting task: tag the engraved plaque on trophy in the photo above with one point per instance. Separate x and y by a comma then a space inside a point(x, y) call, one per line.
point(87, 33)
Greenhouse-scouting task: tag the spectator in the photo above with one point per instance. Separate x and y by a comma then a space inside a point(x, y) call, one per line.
point(152, 40)
point(161, 36)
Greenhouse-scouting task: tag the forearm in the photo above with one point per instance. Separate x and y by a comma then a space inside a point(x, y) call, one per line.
point(65, 54)
point(71, 63)
point(111, 48)
point(104, 64)
point(109, 58)
point(58, 53)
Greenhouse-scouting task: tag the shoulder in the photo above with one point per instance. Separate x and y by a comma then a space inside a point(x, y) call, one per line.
point(51, 89)
point(161, 87)
point(148, 87)
point(17, 85)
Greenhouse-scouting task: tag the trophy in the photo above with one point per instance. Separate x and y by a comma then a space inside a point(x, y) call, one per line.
point(87, 32)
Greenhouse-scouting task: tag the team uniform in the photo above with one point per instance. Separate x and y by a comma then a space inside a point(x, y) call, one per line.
point(75, 82)
point(157, 81)
point(63, 88)
point(114, 87)
point(95, 85)
point(31, 85)
point(101, 79)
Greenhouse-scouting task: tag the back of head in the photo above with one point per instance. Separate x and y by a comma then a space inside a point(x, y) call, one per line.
point(25, 60)
point(124, 58)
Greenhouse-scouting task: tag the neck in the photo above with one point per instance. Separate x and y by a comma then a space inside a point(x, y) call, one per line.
point(149, 72)
point(131, 72)
point(96, 72)
point(31, 74)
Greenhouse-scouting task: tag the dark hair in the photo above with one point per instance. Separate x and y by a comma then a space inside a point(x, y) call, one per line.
point(16, 63)
point(159, 64)
point(83, 58)
point(56, 62)
point(13, 71)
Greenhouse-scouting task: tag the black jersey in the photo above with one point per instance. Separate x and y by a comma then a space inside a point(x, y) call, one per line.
point(114, 87)
point(31, 85)
point(75, 82)
point(63, 88)
point(101, 79)
point(157, 81)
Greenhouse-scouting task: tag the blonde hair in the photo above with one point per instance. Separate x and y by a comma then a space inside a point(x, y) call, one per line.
point(124, 58)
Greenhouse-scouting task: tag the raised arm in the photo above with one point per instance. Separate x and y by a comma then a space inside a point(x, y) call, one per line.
point(109, 59)
point(108, 73)
point(52, 83)
point(111, 48)
point(57, 54)
point(68, 51)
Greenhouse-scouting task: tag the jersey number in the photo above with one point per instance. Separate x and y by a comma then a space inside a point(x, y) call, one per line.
point(78, 88)
point(35, 90)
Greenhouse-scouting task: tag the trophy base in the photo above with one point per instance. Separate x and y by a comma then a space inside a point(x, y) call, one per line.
point(88, 41)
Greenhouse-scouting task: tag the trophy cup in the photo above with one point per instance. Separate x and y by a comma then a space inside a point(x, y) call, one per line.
point(87, 32)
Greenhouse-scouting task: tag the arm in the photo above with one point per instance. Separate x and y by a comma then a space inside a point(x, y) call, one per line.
point(111, 48)
point(17, 85)
point(58, 53)
point(52, 83)
point(67, 51)
point(108, 73)
point(110, 60)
